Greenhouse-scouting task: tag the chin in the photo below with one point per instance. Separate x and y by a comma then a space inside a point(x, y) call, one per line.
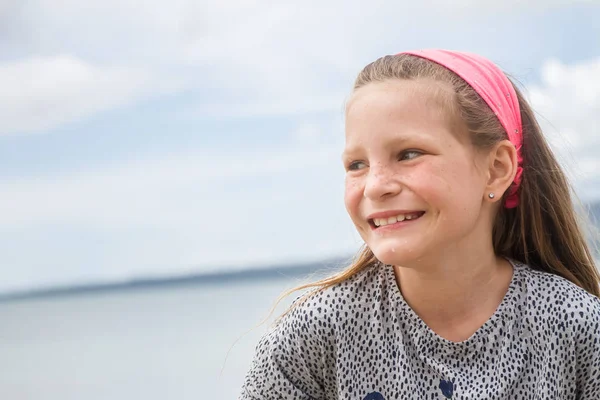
point(395, 255)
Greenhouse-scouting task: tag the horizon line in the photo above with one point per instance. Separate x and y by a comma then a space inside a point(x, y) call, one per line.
point(274, 271)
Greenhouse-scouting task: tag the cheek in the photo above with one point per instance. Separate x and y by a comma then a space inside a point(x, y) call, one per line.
point(433, 182)
point(445, 185)
point(353, 194)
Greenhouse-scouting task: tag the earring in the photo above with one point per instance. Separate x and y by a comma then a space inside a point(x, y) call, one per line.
point(491, 195)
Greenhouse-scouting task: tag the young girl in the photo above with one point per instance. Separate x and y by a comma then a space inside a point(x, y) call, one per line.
point(475, 281)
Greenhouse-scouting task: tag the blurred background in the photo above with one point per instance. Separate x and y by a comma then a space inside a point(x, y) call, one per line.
point(167, 169)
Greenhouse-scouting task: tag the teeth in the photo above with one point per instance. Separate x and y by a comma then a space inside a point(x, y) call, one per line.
point(383, 221)
point(393, 220)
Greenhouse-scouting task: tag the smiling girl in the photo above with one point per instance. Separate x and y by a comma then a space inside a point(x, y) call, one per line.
point(475, 281)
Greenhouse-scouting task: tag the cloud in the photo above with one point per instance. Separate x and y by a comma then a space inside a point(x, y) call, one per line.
point(41, 93)
point(568, 103)
point(130, 193)
point(260, 53)
point(194, 211)
point(298, 106)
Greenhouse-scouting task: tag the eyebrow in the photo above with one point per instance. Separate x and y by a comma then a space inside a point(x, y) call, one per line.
point(349, 150)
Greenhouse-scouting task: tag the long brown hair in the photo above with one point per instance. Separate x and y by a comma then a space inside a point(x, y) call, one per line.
point(544, 231)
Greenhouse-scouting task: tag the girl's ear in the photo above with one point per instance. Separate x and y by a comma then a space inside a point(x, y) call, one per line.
point(502, 169)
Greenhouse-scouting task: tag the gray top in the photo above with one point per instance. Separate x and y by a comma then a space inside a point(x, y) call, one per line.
point(360, 340)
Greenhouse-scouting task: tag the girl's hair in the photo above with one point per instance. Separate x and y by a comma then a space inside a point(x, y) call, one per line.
point(543, 231)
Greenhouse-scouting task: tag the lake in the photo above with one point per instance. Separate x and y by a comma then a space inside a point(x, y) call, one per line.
point(159, 343)
point(155, 343)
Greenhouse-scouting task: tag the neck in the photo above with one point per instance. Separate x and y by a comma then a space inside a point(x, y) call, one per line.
point(454, 297)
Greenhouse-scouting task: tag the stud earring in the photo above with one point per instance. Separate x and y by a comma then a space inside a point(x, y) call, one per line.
point(491, 195)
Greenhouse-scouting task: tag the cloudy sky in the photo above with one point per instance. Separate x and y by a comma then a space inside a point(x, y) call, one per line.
point(155, 138)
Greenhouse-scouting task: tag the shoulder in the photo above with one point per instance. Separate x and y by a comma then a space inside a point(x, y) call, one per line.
point(296, 357)
point(318, 310)
point(556, 300)
point(549, 288)
point(303, 342)
point(363, 285)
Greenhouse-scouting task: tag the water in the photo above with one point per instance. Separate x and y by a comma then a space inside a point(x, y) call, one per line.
point(160, 343)
point(167, 343)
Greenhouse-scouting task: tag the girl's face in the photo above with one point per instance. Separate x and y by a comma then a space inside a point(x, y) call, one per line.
point(413, 188)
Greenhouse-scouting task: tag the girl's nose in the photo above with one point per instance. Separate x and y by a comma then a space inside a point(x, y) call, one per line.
point(381, 183)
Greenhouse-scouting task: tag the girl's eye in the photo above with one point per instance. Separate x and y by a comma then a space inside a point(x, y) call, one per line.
point(356, 165)
point(409, 155)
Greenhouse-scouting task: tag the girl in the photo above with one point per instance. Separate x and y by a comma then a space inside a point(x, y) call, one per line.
point(475, 281)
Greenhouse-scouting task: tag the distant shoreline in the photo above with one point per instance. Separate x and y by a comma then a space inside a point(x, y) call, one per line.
point(208, 278)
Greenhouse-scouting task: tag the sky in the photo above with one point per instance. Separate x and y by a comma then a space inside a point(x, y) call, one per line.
point(153, 138)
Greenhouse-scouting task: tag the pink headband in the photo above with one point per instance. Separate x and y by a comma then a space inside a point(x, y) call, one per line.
point(497, 91)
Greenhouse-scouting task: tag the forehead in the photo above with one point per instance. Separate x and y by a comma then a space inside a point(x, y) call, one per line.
point(404, 108)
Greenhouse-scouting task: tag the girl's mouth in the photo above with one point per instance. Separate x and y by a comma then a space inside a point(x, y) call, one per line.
point(377, 223)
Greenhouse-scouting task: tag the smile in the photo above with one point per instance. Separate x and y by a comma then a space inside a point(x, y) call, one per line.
point(379, 222)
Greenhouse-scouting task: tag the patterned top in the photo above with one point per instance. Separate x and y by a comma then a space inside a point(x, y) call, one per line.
point(360, 340)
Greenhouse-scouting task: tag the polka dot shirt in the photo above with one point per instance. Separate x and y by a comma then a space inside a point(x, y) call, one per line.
point(360, 340)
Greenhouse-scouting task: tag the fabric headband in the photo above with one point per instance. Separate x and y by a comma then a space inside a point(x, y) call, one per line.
point(495, 89)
